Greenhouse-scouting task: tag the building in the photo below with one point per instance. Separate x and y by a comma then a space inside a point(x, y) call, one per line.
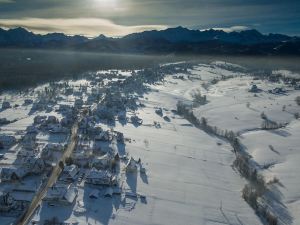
point(7, 202)
point(39, 119)
point(7, 140)
point(8, 174)
point(64, 194)
point(54, 147)
point(102, 162)
point(57, 128)
point(99, 177)
point(254, 89)
point(34, 165)
point(28, 101)
point(69, 174)
point(6, 105)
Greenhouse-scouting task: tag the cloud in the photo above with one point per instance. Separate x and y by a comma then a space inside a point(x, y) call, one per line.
point(90, 27)
point(7, 1)
point(232, 29)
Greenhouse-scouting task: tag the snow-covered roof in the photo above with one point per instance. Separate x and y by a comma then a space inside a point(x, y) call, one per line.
point(71, 171)
point(62, 192)
point(99, 174)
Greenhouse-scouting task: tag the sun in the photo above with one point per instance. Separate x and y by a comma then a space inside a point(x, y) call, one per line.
point(106, 3)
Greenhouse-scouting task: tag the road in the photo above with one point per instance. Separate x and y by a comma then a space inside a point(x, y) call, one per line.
point(52, 179)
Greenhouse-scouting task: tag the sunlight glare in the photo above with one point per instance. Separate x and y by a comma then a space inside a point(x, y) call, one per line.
point(106, 3)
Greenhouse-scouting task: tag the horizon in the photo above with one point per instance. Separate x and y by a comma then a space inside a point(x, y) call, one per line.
point(226, 30)
point(117, 18)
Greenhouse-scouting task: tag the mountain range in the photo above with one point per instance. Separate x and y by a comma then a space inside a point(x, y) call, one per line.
point(178, 40)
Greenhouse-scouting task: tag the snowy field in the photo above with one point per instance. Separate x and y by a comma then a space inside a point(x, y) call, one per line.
point(184, 175)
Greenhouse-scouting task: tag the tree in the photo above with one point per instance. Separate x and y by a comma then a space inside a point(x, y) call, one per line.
point(204, 122)
point(69, 161)
point(61, 164)
point(263, 116)
point(298, 100)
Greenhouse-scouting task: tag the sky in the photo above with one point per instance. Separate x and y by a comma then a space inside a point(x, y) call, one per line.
point(121, 17)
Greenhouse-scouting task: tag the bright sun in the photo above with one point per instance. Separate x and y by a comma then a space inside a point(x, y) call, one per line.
point(106, 3)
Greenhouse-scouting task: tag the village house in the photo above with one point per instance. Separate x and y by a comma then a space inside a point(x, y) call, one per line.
point(7, 202)
point(26, 153)
point(46, 154)
point(32, 130)
point(39, 119)
point(57, 128)
point(34, 165)
point(82, 156)
point(67, 120)
point(102, 162)
point(39, 105)
point(54, 147)
point(254, 89)
point(6, 105)
point(99, 177)
point(78, 103)
point(136, 120)
point(28, 101)
point(69, 173)
point(8, 174)
point(52, 120)
point(7, 140)
point(4, 121)
point(64, 194)
point(29, 141)
point(104, 136)
point(277, 90)
point(119, 136)
point(65, 108)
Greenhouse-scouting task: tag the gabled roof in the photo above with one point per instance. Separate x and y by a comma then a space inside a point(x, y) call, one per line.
point(99, 174)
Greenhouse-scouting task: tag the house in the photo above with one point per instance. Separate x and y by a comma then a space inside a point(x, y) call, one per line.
point(52, 120)
point(94, 130)
point(64, 194)
point(254, 89)
point(23, 153)
point(6, 105)
point(102, 162)
point(28, 101)
point(7, 140)
point(69, 173)
point(34, 165)
point(136, 120)
point(104, 136)
point(8, 174)
point(119, 136)
point(57, 128)
point(82, 156)
point(131, 166)
point(7, 202)
point(99, 177)
point(32, 130)
point(4, 121)
point(78, 103)
point(46, 154)
point(68, 91)
point(28, 141)
point(54, 147)
point(67, 120)
point(277, 90)
point(39, 119)
point(65, 108)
